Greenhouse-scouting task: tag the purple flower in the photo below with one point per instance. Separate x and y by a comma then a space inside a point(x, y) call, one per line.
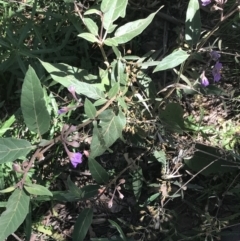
point(71, 89)
point(215, 55)
point(205, 2)
point(204, 79)
point(216, 71)
point(75, 158)
point(63, 110)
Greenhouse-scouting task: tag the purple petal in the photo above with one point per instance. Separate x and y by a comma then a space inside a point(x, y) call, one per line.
point(215, 55)
point(216, 71)
point(71, 89)
point(205, 2)
point(63, 110)
point(75, 158)
point(204, 79)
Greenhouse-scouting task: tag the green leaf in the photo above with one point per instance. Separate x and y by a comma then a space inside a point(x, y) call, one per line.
point(16, 210)
point(207, 155)
point(91, 25)
point(172, 117)
point(160, 156)
point(112, 126)
point(151, 199)
point(9, 189)
point(36, 189)
point(122, 235)
point(89, 37)
point(172, 60)
point(137, 180)
point(89, 191)
point(90, 109)
point(114, 90)
point(11, 149)
point(97, 171)
point(6, 125)
point(68, 76)
point(193, 23)
point(33, 105)
point(97, 146)
point(110, 42)
point(132, 29)
point(112, 10)
point(82, 224)
point(73, 189)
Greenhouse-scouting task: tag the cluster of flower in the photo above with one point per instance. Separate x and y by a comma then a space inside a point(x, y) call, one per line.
point(216, 71)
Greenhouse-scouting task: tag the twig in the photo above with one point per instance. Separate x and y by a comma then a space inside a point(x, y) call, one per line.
point(16, 237)
point(120, 174)
point(185, 184)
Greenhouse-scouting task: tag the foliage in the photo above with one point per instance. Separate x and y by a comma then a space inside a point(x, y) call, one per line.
point(83, 111)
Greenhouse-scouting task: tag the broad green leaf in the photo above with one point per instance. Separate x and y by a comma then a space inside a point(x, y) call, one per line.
point(73, 189)
point(89, 109)
point(193, 23)
point(9, 189)
point(33, 105)
point(114, 90)
point(97, 146)
point(36, 189)
point(6, 125)
point(213, 158)
point(92, 26)
point(82, 224)
point(112, 10)
point(137, 179)
point(89, 37)
point(172, 117)
point(132, 29)
point(172, 60)
point(112, 126)
point(122, 235)
point(97, 171)
point(89, 191)
point(11, 149)
point(16, 210)
point(68, 76)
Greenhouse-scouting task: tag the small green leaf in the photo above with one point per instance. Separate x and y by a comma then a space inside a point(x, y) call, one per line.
point(132, 29)
point(89, 191)
point(92, 11)
point(16, 210)
point(82, 224)
point(90, 109)
point(193, 23)
point(33, 105)
point(36, 189)
point(110, 42)
point(97, 171)
point(114, 90)
point(11, 149)
point(122, 235)
point(6, 125)
point(9, 189)
point(137, 180)
point(172, 60)
point(151, 199)
point(160, 156)
point(92, 26)
point(89, 37)
point(112, 10)
point(97, 144)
